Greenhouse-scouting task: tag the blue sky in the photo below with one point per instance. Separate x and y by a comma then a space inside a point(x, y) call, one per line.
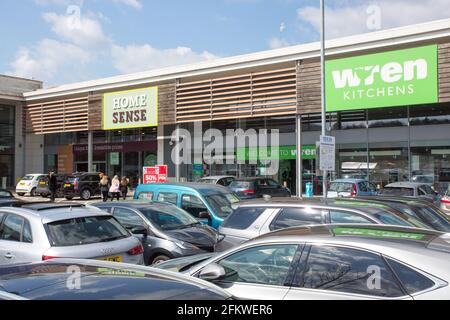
point(50, 41)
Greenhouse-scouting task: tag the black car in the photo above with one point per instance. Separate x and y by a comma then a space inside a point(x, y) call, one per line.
point(422, 210)
point(165, 230)
point(83, 185)
point(43, 190)
point(250, 188)
point(7, 199)
point(71, 279)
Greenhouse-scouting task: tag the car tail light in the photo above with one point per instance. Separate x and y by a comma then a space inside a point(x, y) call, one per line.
point(445, 199)
point(354, 192)
point(75, 184)
point(136, 250)
point(46, 258)
point(248, 191)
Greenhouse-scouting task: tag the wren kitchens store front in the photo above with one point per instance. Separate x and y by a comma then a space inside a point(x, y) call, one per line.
point(388, 104)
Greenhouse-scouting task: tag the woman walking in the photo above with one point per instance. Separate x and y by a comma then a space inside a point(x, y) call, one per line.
point(104, 186)
point(115, 188)
point(124, 187)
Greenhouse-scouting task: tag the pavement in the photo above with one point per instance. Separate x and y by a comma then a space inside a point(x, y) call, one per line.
point(63, 200)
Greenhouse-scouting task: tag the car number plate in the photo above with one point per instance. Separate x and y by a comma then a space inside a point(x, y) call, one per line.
point(112, 259)
point(42, 183)
point(22, 183)
point(67, 185)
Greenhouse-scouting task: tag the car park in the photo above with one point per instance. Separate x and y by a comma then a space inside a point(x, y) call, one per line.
point(83, 185)
point(209, 203)
point(43, 231)
point(220, 180)
point(351, 188)
point(43, 190)
point(422, 210)
point(334, 262)
point(251, 188)
point(101, 280)
point(165, 230)
point(257, 217)
point(411, 189)
point(28, 184)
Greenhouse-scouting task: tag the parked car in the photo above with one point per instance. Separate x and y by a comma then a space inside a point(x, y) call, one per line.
point(101, 280)
point(257, 217)
point(250, 188)
point(422, 210)
point(83, 185)
point(411, 189)
point(36, 232)
point(445, 202)
point(331, 262)
point(209, 203)
point(43, 190)
point(7, 199)
point(165, 230)
point(220, 180)
point(351, 188)
point(28, 184)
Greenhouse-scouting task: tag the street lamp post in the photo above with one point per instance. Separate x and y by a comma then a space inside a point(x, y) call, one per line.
point(322, 84)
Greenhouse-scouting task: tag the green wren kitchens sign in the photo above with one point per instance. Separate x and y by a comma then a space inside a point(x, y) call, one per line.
point(395, 78)
point(284, 153)
point(130, 109)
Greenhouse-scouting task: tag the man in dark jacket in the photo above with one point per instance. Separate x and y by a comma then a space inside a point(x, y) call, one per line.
point(52, 185)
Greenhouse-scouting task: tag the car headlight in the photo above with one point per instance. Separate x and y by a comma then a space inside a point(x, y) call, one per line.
point(184, 245)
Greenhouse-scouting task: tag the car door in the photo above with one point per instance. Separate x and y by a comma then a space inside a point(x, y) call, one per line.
point(259, 273)
point(264, 188)
point(293, 217)
point(15, 240)
point(278, 190)
point(194, 206)
point(94, 181)
point(331, 272)
point(131, 219)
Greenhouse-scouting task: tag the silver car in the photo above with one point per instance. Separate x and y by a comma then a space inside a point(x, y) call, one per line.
point(37, 232)
point(220, 180)
point(332, 262)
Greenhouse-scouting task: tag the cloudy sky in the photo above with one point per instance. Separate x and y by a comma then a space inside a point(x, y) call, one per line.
point(62, 41)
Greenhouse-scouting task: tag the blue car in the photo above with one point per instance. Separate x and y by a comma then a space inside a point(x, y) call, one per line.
point(210, 204)
point(351, 188)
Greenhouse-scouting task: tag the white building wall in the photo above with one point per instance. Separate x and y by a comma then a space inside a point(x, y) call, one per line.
point(34, 153)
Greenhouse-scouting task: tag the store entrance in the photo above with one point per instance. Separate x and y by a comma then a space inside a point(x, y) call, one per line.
point(287, 174)
point(83, 167)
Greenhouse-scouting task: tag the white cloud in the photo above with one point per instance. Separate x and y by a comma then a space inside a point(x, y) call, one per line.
point(348, 17)
point(276, 43)
point(133, 3)
point(136, 58)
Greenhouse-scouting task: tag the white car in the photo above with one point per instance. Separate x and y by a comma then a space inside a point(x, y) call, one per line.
point(220, 180)
point(28, 184)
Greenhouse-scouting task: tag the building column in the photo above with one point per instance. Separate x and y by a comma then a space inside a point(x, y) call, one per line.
point(299, 175)
point(177, 154)
point(90, 151)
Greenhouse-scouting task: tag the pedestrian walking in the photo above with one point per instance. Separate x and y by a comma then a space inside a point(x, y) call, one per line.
point(52, 185)
point(124, 187)
point(104, 186)
point(115, 188)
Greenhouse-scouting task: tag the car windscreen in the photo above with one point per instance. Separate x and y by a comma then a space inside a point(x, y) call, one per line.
point(86, 230)
point(434, 217)
point(210, 181)
point(5, 194)
point(390, 218)
point(398, 191)
point(221, 203)
point(341, 187)
point(28, 178)
point(241, 184)
point(168, 217)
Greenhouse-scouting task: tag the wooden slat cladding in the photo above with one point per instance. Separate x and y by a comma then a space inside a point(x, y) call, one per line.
point(166, 104)
point(308, 87)
point(57, 116)
point(95, 112)
point(444, 72)
point(257, 94)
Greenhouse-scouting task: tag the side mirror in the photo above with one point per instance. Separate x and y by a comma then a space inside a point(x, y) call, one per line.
point(139, 230)
point(205, 215)
point(212, 272)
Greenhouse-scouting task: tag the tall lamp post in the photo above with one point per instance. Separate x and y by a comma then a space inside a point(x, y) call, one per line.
point(322, 84)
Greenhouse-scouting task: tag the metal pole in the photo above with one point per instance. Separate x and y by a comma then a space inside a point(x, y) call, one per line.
point(299, 156)
point(177, 165)
point(322, 83)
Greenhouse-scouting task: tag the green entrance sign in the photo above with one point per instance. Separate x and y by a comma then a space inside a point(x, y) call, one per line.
point(389, 79)
point(284, 153)
point(114, 159)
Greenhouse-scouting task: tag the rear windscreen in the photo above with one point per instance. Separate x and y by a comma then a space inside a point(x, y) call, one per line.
point(241, 184)
point(408, 192)
point(70, 179)
point(86, 230)
point(341, 187)
point(242, 218)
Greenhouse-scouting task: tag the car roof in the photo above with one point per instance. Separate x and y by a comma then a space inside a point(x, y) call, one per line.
point(22, 284)
point(394, 199)
point(217, 177)
point(293, 202)
point(51, 212)
point(349, 180)
point(202, 188)
point(133, 204)
point(409, 244)
point(405, 184)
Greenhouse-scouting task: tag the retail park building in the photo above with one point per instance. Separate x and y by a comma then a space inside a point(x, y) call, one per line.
point(388, 105)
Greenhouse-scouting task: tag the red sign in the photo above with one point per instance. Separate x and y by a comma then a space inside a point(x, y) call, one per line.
point(155, 174)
